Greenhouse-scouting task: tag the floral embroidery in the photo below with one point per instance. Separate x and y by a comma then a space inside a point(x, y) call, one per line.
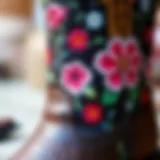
point(135, 93)
point(90, 92)
point(92, 114)
point(95, 20)
point(56, 14)
point(120, 63)
point(109, 98)
point(75, 77)
point(78, 32)
point(78, 40)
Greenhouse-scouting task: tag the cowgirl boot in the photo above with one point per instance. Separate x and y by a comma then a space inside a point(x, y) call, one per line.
point(97, 53)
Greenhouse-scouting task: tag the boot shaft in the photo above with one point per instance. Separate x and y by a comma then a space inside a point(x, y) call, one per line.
point(97, 55)
point(100, 52)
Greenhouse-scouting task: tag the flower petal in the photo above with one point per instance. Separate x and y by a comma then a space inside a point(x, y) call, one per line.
point(136, 62)
point(105, 63)
point(117, 47)
point(131, 47)
point(131, 78)
point(115, 81)
point(55, 15)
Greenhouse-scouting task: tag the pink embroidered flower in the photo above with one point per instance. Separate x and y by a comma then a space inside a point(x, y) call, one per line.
point(120, 63)
point(75, 76)
point(78, 40)
point(56, 14)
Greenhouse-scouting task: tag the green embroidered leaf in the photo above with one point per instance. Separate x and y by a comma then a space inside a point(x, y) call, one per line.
point(90, 92)
point(135, 93)
point(109, 98)
point(77, 104)
point(98, 40)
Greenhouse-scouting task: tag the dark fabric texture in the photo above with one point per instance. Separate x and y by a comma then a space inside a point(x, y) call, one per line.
point(97, 54)
point(103, 74)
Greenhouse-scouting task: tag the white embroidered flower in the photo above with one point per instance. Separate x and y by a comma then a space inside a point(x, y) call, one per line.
point(95, 20)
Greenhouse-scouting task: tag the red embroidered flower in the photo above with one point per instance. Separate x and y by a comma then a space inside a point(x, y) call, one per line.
point(75, 77)
point(92, 114)
point(56, 14)
point(120, 63)
point(78, 40)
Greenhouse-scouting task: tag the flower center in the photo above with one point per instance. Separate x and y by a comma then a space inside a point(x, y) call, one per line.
point(93, 113)
point(78, 40)
point(123, 63)
point(75, 76)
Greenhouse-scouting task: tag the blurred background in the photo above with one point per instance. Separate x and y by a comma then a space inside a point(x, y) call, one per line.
point(22, 71)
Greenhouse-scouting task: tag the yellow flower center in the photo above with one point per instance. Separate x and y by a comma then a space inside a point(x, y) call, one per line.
point(123, 64)
point(78, 40)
